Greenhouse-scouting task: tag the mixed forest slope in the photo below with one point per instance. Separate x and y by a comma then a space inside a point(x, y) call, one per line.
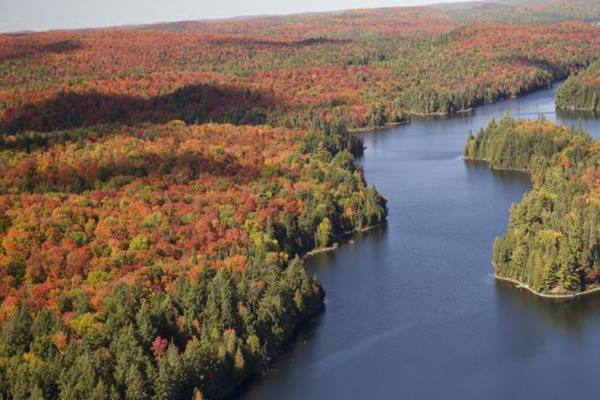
point(520, 12)
point(581, 92)
point(158, 260)
point(366, 67)
point(552, 244)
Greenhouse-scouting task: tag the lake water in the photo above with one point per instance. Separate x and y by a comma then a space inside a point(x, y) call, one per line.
point(412, 310)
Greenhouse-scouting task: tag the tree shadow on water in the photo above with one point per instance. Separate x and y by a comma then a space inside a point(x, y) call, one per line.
point(570, 315)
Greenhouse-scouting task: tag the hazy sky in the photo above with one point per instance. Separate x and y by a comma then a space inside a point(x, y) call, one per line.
point(18, 15)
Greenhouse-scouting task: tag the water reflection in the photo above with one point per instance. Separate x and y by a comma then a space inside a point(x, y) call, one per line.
point(571, 315)
point(501, 175)
point(455, 116)
point(577, 115)
point(371, 237)
point(580, 120)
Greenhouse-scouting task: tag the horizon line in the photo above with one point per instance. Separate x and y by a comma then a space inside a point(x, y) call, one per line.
point(431, 3)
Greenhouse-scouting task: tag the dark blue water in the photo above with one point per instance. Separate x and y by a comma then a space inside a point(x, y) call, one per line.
point(411, 309)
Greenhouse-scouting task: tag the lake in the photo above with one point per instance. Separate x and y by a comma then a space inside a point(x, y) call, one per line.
point(412, 310)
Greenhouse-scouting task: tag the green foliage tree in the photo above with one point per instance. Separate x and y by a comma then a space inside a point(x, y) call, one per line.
point(550, 245)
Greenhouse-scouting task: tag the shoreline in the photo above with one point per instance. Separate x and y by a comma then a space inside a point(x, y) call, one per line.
point(582, 110)
point(250, 380)
point(372, 129)
point(569, 296)
point(321, 250)
point(246, 382)
point(492, 167)
point(473, 108)
point(343, 238)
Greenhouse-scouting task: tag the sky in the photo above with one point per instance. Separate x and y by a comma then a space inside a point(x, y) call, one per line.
point(39, 15)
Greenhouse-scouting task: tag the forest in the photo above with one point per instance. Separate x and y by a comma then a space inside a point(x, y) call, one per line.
point(581, 92)
point(553, 243)
point(367, 68)
point(161, 184)
point(162, 260)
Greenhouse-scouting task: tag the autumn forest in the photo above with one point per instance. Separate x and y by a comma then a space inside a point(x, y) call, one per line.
point(161, 185)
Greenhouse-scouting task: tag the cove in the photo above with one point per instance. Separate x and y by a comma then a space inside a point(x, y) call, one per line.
point(412, 310)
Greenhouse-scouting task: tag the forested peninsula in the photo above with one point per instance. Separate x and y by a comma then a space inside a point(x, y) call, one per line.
point(552, 245)
point(581, 92)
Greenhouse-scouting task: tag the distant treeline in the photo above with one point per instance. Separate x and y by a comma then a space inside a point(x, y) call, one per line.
point(366, 68)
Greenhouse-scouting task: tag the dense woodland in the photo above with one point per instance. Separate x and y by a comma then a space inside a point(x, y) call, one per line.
point(581, 92)
point(366, 67)
point(553, 241)
point(530, 11)
point(159, 260)
point(159, 184)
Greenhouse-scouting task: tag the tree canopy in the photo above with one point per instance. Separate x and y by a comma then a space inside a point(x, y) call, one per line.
point(552, 243)
point(581, 92)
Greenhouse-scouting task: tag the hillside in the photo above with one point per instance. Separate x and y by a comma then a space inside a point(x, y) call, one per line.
point(160, 258)
point(366, 68)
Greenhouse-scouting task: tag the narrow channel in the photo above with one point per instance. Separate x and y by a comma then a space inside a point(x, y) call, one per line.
point(412, 310)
